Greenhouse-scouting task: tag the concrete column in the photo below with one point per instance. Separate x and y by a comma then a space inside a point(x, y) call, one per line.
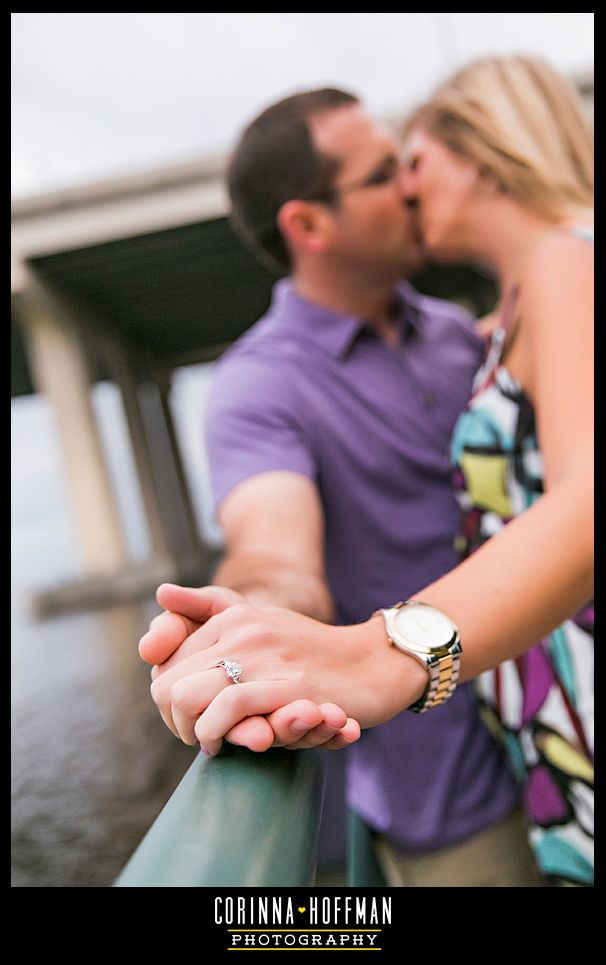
point(172, 525)
point(177, 512)
point(121, 370)
point(60, 371)
point(190, 522)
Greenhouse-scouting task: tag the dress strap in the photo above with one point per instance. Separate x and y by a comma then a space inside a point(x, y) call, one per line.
point(507, 315)
point(500, 336)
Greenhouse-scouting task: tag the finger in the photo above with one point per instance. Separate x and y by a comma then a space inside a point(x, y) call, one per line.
point(195, 643)
point(347, 735)
point(333, 719)
point(188, 625)
point(292, 722)
point(203, 637)
point(233, 704)
point(161, 688)
point(167, 631)
point(198, 604)
point(166, 715)
point(254, 733)
point(192, 657)
point(187, 609)
point(190, 696)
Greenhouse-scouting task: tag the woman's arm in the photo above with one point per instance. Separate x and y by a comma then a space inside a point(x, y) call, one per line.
point(538, 570)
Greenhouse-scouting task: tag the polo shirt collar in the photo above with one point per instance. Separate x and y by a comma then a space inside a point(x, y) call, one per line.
point(334, 332)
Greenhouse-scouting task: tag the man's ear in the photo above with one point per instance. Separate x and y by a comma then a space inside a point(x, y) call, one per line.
point(304, 225)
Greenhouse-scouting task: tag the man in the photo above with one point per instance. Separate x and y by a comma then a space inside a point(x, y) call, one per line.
point(328, 436)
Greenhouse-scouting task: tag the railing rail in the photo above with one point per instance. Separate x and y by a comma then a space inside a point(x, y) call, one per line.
point(236, 820)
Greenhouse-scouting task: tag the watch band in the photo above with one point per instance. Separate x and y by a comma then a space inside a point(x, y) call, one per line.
point(443, 665)
point(443, 678)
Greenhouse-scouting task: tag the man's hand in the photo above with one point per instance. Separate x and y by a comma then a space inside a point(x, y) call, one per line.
point(301, 724)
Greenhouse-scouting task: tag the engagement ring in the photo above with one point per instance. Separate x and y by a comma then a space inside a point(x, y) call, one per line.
point(232, 669)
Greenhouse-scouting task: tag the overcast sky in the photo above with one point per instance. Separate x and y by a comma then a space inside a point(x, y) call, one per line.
point(101, 94)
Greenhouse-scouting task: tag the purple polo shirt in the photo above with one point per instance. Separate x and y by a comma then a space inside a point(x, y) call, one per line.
point(318, 393)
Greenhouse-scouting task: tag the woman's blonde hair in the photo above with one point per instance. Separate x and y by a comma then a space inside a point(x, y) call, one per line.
point(523, 124)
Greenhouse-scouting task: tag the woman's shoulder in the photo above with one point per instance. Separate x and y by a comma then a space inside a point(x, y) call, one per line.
point(561, 264)
point(554, 306)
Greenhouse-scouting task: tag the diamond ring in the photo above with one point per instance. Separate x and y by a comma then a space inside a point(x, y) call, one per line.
point(232, 669)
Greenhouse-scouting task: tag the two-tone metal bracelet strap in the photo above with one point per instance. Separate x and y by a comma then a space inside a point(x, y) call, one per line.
point(443, 677)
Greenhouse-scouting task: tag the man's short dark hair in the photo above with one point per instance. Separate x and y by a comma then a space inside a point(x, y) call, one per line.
point(276, 161)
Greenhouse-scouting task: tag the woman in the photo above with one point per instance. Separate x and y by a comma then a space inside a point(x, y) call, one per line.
point(500, 171)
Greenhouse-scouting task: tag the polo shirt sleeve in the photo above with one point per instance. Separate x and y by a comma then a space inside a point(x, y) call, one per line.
point(253, 424)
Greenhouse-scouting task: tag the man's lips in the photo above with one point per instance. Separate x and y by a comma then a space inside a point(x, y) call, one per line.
point(417, 233)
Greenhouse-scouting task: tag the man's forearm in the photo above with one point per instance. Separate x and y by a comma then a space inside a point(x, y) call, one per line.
point(268, 582)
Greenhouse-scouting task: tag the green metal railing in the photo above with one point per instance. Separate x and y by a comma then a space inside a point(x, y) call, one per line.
point(236, 820)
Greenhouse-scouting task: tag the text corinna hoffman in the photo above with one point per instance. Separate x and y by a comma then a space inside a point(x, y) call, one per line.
point(340, 910)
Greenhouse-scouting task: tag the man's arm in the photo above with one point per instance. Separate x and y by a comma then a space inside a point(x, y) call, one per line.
point(274, 533)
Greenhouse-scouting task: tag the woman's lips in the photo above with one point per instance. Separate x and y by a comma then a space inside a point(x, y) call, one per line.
point(415, 221)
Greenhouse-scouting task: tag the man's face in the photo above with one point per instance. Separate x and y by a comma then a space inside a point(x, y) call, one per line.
point(374, 228)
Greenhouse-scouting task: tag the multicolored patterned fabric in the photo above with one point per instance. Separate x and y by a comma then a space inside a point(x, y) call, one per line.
point(540, 705)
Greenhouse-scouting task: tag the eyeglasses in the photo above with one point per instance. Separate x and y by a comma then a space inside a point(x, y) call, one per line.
point(386, 171)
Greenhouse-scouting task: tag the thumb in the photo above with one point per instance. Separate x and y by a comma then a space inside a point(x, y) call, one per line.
point(199, 604)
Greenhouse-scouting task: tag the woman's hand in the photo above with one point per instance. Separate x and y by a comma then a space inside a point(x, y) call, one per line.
point(298, 725)
point(285, 657)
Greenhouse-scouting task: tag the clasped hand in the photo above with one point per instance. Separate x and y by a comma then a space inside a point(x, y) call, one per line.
point(304, 683)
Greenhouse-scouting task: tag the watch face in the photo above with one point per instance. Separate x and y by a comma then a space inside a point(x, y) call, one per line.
point(423, 626)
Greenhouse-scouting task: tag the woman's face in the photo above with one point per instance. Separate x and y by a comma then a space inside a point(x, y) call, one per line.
point(441, 185)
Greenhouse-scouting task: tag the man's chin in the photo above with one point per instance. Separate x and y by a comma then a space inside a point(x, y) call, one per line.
point(417, 257)
point(436, 249)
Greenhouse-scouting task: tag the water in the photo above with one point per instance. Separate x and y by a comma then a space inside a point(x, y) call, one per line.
point(92, 762)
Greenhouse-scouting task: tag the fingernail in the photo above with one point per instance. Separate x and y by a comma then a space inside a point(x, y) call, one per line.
point(204, 751)
point(299, 726)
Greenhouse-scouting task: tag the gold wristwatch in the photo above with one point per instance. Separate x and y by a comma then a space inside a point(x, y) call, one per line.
point(433, 639)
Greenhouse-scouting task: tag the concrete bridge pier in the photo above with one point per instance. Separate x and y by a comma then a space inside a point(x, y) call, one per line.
point(58, 338)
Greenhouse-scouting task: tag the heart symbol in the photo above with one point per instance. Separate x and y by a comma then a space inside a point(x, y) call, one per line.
point(301, 910)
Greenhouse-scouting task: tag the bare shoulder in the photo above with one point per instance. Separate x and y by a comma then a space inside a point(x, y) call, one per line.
point(559, 275)
point(558, 250)
point(555, 312)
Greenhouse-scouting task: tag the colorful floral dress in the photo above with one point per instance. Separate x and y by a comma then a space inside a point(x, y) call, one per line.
point(540, 705)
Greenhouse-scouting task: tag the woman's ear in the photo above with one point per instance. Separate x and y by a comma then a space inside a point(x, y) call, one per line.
point(488, 185)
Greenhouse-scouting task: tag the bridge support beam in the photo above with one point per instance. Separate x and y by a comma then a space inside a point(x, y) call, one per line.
point(61, 342)
point(60, 371)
